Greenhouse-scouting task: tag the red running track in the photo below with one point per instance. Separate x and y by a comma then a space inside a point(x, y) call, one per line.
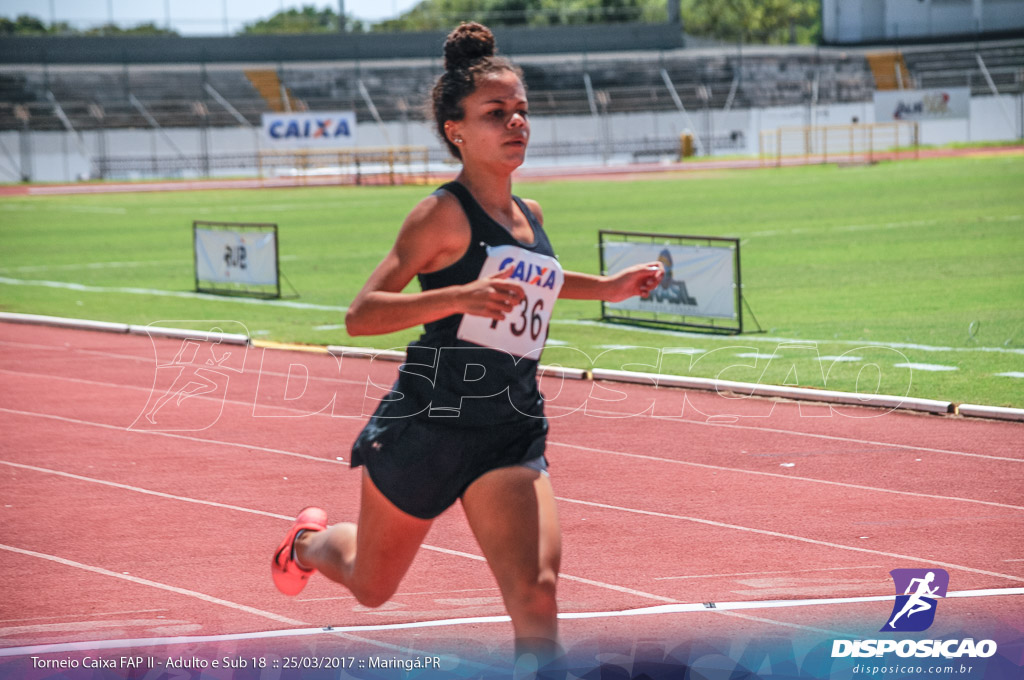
point(117, 528)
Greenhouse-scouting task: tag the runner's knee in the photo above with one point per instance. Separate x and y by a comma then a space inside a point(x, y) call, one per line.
point(535, 599)
point(375, 594)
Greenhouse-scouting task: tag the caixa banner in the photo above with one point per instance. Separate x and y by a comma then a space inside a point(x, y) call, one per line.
point(943, 104)
point(318, 130)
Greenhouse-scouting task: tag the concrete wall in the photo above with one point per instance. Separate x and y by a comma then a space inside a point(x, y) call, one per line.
point(867, 21)
point(327, 47)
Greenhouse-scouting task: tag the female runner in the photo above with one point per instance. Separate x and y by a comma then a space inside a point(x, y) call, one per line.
point(465, 419)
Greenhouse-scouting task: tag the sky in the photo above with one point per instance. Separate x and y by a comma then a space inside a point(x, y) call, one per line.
point(189, 17)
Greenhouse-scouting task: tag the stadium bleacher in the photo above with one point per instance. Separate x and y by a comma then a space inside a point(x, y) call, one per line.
point(113, 96)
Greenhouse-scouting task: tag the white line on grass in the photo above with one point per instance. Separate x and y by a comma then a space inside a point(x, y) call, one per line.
point(933, 368)
point(91, 265)
point(736, 340)
point(567, 322)
point(82, 288)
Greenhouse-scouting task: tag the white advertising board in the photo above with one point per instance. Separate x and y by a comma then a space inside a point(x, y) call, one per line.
point(943, 104)
point(699, 280)
point(228, 256)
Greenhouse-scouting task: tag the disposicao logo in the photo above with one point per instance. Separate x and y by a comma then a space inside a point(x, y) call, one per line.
point(917, 593)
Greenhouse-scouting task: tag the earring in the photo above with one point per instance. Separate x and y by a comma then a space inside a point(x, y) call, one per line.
point(457, 140)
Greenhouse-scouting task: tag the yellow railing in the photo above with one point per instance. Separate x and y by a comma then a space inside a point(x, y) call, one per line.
point(858, 142)
point(364, 165)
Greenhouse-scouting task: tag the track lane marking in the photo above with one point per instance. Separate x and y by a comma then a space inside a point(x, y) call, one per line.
point(156, 584)
point(171, 435)
point(778, 534)
point(113, 644)
point(681, 608)
point(672, 606)
point(287, 518)
point(550, 442)
point(680, 420)
point(764, 573)
point(720, 468)
point(796, 433)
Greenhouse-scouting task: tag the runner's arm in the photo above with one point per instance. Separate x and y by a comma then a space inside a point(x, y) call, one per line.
point(639, 279)
point(381, 306)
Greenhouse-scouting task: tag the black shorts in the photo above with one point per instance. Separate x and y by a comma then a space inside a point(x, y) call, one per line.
point(423, 465)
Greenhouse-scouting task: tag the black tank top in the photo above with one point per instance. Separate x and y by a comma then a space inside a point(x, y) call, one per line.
point(454, 381)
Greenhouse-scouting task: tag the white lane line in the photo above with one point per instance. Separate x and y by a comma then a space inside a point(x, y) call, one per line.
point(763, 573)
point(772, 430)
point(171, 435)
point(238, 402)
point(678, 608)
point(224, 506)
point(114, 644)
point(552, 443)
point(83, 615)
point(597, 412)
point(148, 492)
point(811, 480)
point(155, 584)
point(784, 624)
point(663, 419)
point(564, 577)
point(492, 590)
point(791, 537)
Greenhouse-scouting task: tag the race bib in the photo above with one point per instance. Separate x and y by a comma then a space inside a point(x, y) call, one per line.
point(523, 330)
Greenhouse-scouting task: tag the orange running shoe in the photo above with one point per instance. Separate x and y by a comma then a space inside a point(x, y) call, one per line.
point(288, 576)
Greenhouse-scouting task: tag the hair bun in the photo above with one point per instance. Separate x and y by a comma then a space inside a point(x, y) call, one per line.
point(467, 44)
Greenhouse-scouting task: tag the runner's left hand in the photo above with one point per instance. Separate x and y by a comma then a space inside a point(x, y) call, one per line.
point(640, 279)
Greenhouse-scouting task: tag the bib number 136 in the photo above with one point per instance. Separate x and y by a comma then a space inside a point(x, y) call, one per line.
point(535, 323)
point(523, 332)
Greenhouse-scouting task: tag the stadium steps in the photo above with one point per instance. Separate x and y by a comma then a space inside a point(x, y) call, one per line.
point(890, 71)
point(268, 84)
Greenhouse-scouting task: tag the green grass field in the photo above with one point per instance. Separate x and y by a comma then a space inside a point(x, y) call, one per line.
point(915, 262)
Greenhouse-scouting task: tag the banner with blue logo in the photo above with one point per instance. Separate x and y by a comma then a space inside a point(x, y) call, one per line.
point(311, 130)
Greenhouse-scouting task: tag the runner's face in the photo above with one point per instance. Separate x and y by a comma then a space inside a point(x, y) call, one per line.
point(495, 127)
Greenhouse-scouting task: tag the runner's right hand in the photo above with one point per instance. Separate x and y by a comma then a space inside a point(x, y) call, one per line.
point(492, 297)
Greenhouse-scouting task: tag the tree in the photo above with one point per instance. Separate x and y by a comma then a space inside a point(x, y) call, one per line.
point(141, 29)
point(757, 21)
point(308, 19)
point(25, 24)
point(438, 15)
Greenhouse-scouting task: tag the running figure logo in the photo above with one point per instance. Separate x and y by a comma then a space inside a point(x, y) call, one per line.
point(915, 608)
point(185, 370)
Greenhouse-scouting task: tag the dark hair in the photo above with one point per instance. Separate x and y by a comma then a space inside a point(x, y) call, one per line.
point(469, 51)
